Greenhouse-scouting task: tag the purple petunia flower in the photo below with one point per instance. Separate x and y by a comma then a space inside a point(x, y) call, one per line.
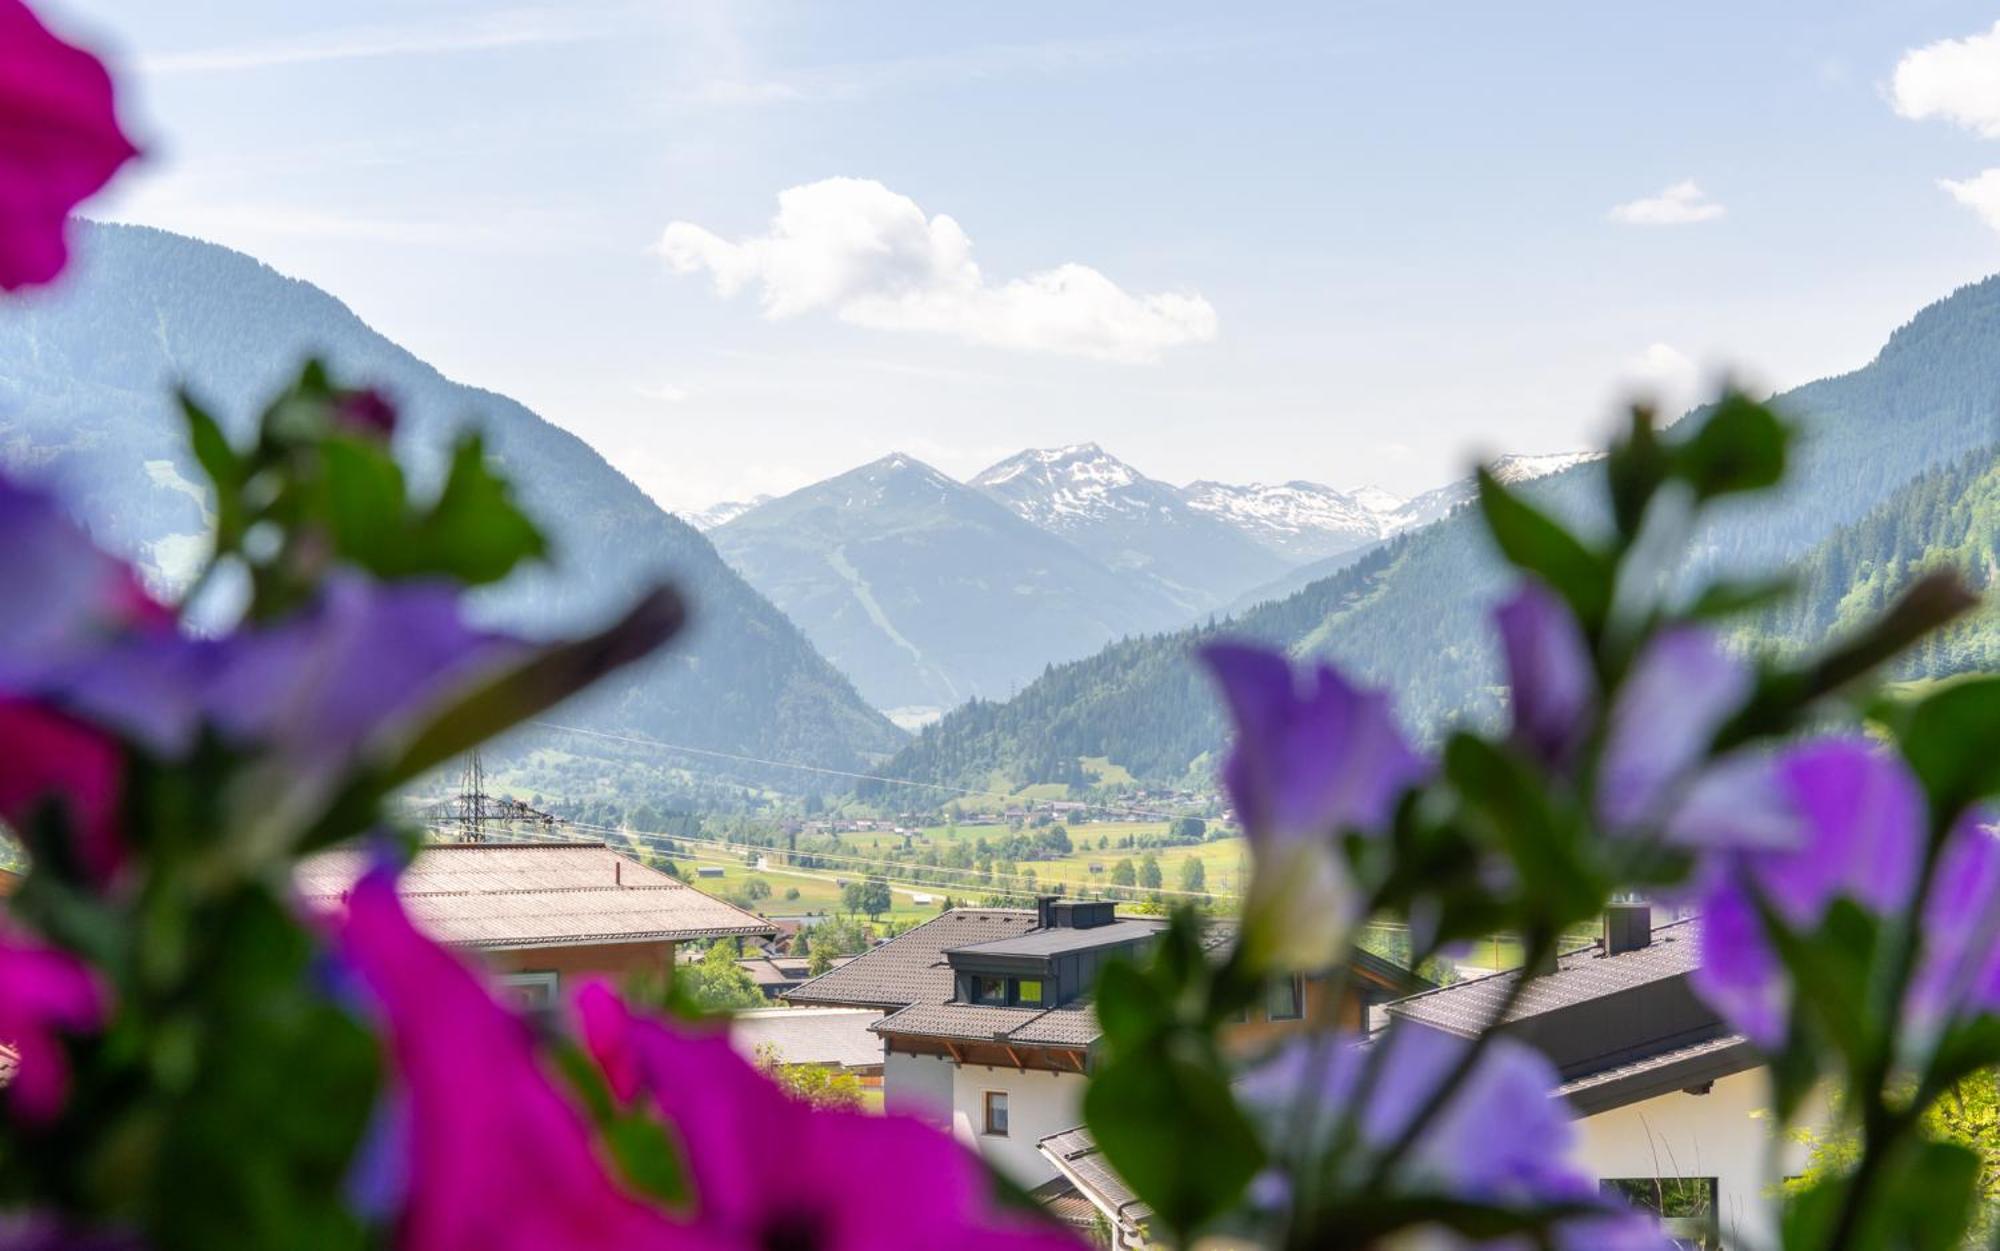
point(366, 412)
point(59, 143)
point(1503, 1139)
point(1313, 757)
point(47, 759)
point(43, 993)
point(1860, 821)
point(1549, 673)
point(66, 598)
point(727, 1115)
point(497, 1159)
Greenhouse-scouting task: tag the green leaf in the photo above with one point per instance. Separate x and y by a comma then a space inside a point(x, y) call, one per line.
point(1739, 446)
point(225, 470)
point(1730, 598)
point(1533, 541)
point(1950, 740)
point(475, 532)
point(1634, 471)
point(1166, 1121)
point(1545, 847)
point(363, 506)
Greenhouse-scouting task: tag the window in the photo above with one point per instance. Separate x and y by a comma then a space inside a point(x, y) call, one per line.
point(1286, 1001)
point(996, 1113)
point(529, 992)
point(989, 990)
point(1028, 991)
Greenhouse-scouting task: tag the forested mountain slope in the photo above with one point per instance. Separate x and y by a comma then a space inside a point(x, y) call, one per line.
point(86, 373)
point(1412, 614)
point(928, 593)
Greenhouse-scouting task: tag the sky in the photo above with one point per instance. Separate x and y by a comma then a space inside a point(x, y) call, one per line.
point(742, 246)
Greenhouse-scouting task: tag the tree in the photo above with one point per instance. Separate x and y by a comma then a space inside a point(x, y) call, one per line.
point(1054, 841)
point(757, 888)
point(791, 893)
point(1123, 874)
point(870, 896)
point(1194, 875)
point(720, 984)
point(816, 1084)
point(1189, 829)
point(1149, 872)
point(821, 962)
point(801, 944)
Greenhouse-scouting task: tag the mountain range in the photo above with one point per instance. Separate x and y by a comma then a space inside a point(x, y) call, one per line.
point(87, 376)
point(928, 592)
point(1411, 613)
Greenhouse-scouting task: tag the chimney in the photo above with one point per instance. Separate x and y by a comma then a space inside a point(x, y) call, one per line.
point(1045, 911)
point(617, 871)
point(1628, 926)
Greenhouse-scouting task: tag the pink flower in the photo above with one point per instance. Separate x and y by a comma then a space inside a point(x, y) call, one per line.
point(498, 1159)
point(365, 412)
point(59, 142)
point(50, 761)
point(729, 1118)
point(42, 992)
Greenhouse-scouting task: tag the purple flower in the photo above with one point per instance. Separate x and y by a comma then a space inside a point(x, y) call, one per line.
point(1682, 688)
point(1314, 757)
point(66, 598)
point(1860, 825)
point(43, 993)
point(366, 412)
point(727, 1116)
point(59, 142)
point(497, 1159)
point(1503, 1139)
point(1549, 673)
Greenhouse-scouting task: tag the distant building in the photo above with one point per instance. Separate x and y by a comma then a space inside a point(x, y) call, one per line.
point(777, 976)
point(708, 870)
point(834, 1038)
point(542, 914)
point(989, 1030)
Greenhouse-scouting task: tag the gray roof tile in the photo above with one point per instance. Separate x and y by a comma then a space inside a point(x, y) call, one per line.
point(911, 968)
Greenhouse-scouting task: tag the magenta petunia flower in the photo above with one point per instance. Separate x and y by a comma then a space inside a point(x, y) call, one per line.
point(497, 1158)
point(44, 993)
point(365, 412)
point(1549, 673)
point(1503, 1139)
point(727, 1115)
point(49, 761)
point(1861, 826)
point(59, 143)
point(1314, 757)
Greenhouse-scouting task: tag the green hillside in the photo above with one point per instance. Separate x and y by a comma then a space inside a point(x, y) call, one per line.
point(86, 378)
point(1413, 613)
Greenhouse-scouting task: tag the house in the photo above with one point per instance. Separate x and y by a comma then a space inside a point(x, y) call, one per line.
point(776, 975)
point(1668, 1100)
point(542, 914)
point(988, 1028)
point(834, 1038)
point(708, 870)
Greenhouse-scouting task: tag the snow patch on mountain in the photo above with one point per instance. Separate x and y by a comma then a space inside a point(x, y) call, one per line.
point(722, 514)
point(1302, 520)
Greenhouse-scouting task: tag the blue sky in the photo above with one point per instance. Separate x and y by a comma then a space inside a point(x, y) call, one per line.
point(1351, 242)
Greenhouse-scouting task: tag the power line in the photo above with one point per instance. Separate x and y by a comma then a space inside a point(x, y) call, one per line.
point(635, 740)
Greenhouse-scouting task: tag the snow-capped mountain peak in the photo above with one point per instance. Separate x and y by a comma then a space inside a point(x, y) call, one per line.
point(722, 514)
point(1059, 488)
point(1302, 520)
point(1377, 501)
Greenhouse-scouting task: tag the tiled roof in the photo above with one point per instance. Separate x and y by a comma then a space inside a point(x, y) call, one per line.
point(1056, 940)
point(1072, 1025)
point(1464, 1008)
point(1075, 1155)
point(810, 1035)
point(513, 895)
point(1059, 1197)
point(1660, 1074)
point(911, 968)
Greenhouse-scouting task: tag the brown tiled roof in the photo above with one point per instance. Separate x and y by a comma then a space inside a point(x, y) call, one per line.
point(1072, 1025)
point(513, 895)
point(911, 967)
point(1060, 1198)
point(1075, 1155)
point(1465, 1008)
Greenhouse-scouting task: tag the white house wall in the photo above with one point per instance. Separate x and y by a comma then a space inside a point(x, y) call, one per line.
point(1723, 1134)
point(918, 1086)
point(1039, 1103)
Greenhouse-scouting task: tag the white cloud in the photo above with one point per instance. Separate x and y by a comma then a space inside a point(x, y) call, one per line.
point(1956, 80)
point(1664, 375)
point(1980, 193)
point(874, 258)
point(504, 29)
point(664, 393)
point(1678, 205)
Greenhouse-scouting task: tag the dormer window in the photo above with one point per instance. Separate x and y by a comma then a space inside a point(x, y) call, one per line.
point(989, 990)
point(1028, 992)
